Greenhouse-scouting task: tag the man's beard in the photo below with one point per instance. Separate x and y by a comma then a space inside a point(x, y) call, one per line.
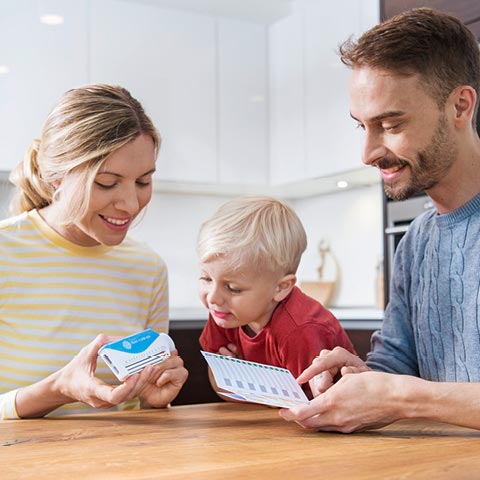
point(430, 167)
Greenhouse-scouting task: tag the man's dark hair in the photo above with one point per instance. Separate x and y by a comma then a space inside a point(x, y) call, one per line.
point(422, 41)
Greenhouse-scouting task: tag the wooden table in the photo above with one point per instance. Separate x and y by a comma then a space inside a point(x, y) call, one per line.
point(228, 441)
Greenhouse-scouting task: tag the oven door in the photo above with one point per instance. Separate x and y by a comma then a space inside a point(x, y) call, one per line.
point(397, 218)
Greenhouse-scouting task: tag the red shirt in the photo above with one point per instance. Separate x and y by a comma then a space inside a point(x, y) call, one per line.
point(299, 328)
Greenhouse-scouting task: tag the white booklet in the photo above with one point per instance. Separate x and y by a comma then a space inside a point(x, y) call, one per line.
point(255, 382)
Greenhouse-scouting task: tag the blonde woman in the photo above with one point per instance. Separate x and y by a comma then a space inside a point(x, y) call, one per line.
point(71, 279)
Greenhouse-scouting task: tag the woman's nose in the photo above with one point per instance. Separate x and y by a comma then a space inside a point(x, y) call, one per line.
point(127, 200)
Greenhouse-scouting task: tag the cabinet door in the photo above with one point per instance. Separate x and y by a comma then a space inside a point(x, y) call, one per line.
point(312, 134)
point(287, 105)
point(44, 62)
point(332, 142)
point(167, 59)
point(242, 94)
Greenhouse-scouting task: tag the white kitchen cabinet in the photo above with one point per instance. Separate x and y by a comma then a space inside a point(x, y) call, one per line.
point(286, 88)
point(312, 134)
point(167, 59)
point(44, 61)
point(333, 143)
point(242, 102)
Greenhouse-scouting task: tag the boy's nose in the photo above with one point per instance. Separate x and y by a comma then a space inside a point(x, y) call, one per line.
point(214, 296)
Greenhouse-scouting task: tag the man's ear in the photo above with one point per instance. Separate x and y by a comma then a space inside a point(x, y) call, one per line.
point(464, 99)
point(284, 287)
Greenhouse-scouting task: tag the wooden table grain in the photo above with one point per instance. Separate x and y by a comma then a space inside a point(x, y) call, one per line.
point(228, 441)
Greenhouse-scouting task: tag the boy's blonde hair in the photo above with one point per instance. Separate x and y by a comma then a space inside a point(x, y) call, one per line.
point(85, 126)
point(259, 230)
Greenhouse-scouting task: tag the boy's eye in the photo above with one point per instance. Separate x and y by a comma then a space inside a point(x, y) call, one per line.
point(233, 289)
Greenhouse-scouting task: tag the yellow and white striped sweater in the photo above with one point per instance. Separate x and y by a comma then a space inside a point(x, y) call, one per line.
point(55, 297)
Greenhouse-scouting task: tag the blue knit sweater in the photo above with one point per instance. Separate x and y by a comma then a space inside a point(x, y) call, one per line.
point(432, 323)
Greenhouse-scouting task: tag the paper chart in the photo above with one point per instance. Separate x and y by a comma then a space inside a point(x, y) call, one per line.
point(255, 382)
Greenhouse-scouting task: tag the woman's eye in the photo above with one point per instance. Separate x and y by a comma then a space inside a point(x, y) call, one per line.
point(105, 185)
point(204, 279)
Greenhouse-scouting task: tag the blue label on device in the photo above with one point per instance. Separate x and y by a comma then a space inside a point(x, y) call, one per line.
point(136, 343)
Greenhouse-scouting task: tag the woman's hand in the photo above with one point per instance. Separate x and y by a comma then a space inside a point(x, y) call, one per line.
point(161, 383)
point(77, 381)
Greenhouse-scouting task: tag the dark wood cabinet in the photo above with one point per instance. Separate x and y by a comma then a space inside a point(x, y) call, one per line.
point(466, 10)
point(197, 388)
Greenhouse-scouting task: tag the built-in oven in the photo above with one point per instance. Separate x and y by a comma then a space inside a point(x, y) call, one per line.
point(397, 218)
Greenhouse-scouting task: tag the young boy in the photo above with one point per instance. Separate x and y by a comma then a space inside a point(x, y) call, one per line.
point(249, 252)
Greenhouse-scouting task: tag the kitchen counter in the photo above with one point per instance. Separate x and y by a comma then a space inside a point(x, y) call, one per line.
point(358, 318)
point(228, 440)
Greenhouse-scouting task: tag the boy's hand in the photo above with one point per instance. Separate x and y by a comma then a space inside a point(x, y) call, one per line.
point(230, 350)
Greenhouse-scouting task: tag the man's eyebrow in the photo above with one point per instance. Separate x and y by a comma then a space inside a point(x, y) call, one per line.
point(382, 116)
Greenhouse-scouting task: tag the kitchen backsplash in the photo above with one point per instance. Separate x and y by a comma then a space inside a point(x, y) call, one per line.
point(350, 221)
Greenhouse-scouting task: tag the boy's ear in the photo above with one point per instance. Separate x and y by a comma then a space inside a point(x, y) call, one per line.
point(284, 287)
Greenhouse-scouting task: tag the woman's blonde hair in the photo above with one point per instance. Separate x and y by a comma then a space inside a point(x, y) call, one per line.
point(258, 230)
point(85, 126)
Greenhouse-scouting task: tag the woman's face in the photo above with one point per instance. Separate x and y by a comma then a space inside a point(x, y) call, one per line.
point(121, 189)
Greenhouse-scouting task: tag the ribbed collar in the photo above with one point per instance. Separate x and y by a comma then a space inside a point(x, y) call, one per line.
point(47, 231)
point(459, 214)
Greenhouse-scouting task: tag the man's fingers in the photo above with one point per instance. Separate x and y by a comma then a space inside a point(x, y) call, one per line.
point(332, 361)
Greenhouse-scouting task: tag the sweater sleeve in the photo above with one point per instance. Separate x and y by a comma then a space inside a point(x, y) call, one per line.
point(7, 406)
point(393, 347)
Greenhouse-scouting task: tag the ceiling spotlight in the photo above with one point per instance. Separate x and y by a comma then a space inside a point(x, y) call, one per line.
point(51, 19)
point(342, 184)
point(4, 69)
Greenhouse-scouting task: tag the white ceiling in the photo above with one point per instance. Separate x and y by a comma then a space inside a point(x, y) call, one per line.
point(259, 11)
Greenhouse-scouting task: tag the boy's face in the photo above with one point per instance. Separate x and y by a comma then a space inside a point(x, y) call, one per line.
point(238, 297)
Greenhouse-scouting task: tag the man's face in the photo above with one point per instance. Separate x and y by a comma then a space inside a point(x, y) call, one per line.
point(406, 135)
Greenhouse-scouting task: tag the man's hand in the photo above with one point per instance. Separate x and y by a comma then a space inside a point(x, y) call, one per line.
point(356, 402)
point(327, 367)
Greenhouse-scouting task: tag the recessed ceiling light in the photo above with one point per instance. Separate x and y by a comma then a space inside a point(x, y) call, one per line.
point(51, 19)
point(342, 184)
point(4, 69)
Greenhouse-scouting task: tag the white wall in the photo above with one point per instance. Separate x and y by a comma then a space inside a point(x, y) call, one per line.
point(170, 227)
point(351, 222)
point(5, 196)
